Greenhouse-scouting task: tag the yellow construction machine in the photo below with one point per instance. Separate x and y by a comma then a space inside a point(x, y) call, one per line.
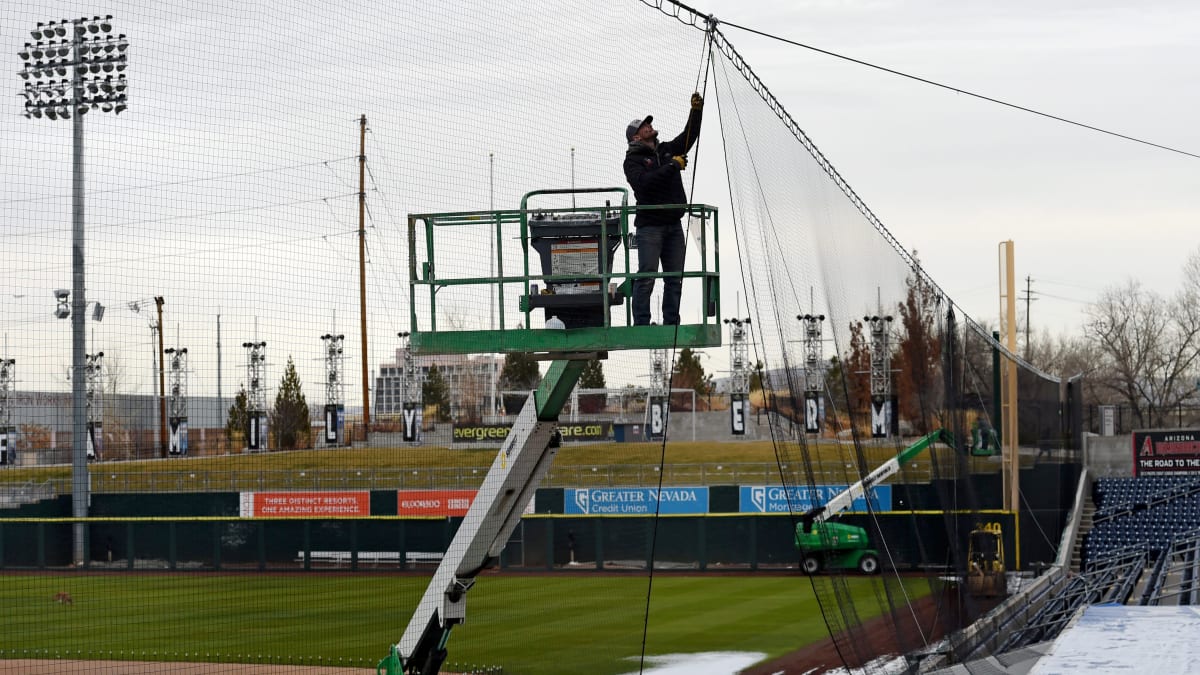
point(985, 562)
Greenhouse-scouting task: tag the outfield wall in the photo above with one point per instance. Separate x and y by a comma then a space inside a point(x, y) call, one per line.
point(210, 531)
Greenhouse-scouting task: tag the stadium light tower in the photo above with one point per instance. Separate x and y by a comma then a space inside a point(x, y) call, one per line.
point(814, 371)
point(335, 400)
point(410, 391)
point(8, 374)
point(96, 61)
point(256, 395)
point(883, 413)
point(177, 404)
point(739, 374)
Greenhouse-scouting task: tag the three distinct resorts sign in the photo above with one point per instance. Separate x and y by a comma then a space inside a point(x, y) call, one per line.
point(1166, 451)
point(349, 504)
point(635, 501)
point(305, 504)
point(798, 499)
point(582, 431)
point(434, 502)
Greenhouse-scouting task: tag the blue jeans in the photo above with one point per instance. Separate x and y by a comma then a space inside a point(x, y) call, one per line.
point(657, 243)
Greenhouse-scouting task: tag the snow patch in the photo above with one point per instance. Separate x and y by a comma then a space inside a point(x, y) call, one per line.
point(703, 663)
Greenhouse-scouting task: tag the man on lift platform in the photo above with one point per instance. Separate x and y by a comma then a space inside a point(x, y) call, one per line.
point(653, 170)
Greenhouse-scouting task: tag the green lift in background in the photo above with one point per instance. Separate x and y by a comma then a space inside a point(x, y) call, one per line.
point(576, 292)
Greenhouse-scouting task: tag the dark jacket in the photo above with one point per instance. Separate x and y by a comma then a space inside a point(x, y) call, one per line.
point(655, 179)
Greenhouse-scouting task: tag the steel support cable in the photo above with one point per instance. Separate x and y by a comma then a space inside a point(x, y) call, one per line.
point(705, 63)
point(188, 181)
point(956, 90)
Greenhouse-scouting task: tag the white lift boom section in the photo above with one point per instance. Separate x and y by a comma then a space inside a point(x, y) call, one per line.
point(509, 486)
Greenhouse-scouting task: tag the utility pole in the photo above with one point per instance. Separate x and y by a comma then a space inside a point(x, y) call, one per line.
point(1028, 320)
point(362, 270)
point(162, 386)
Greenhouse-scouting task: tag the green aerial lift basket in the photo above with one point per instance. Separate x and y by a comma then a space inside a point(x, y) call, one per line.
point(577, 246)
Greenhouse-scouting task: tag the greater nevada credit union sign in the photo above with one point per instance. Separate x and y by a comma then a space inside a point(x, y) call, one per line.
point(635, 501)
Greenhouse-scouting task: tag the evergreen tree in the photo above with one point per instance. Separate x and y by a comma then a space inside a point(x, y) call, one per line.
point(592, 376)
point(756, 377)
point(689, 373)
point(289, 419)
point(239, 417)
point(520, 372)
point(435, 392)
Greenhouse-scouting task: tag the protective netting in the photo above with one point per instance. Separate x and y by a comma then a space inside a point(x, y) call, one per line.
point(222, 216)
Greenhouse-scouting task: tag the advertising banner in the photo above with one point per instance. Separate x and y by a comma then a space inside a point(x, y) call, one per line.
point(8, 442)
point(412, 423)
point(1166, 451)
point(778, 499)
point(178, 437)
point(571, 431)
point(812, 412)
point(305, 504)
point(737, 415)
point(434, 502)
point(656, 422)
point(95, 439)
point(256, 436)
point(635, 501)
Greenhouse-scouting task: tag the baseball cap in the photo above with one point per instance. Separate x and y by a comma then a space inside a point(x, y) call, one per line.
point(635, 125)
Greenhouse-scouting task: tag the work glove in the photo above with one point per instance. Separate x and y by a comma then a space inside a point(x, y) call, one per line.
point(680, 161)
point(697, 101)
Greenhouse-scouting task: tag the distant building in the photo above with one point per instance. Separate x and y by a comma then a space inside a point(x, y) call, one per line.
point(468, 378)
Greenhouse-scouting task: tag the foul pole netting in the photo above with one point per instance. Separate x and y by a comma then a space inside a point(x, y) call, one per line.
point(247, 203)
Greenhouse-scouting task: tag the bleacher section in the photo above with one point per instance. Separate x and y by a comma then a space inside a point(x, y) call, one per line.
point(1143, 549)
point(1147, 511)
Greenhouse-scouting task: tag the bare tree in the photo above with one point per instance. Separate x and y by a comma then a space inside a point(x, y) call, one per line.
point(1149, 345)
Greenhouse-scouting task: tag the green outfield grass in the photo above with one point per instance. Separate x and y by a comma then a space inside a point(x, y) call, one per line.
point(275, 468)
point(535, 625)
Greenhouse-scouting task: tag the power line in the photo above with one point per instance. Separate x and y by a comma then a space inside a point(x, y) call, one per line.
point(956, 90)
point(187, 181)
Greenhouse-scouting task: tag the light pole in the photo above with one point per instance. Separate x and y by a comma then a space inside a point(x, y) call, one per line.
point(97, 66)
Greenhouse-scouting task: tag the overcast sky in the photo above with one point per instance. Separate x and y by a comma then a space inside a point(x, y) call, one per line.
point(951, 175)
point(228, 186)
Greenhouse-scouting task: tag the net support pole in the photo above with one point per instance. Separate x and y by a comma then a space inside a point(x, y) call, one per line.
point(1008, 319)
point(362, 271)
point(79, 469)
